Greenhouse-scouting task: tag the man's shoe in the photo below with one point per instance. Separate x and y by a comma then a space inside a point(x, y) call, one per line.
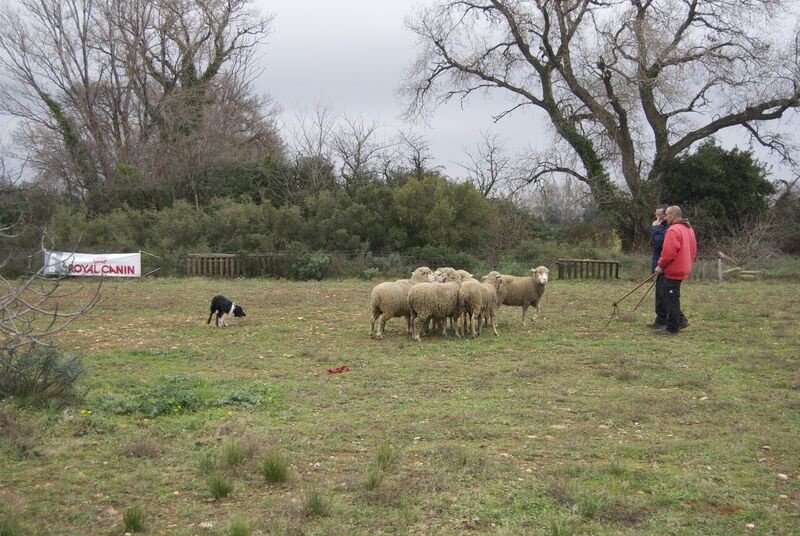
point(665, 331)
point(683, 325)
point(655, 325)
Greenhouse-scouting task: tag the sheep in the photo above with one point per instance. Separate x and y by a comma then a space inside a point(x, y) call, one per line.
point(525, 291)
point(469, 300)
point(438, 301)
point(390, 300)
point(493, 282)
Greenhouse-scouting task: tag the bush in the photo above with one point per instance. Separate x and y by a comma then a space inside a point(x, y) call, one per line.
point(315, 266)
point(40, 376)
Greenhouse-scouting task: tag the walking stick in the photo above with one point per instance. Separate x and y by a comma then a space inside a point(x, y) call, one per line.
point(615, 309)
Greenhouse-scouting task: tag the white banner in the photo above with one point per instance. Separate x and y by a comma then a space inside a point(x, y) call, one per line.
point(93, 264)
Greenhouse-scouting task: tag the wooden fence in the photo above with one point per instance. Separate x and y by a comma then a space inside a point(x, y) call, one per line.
point(212, 265)
point(587, 269)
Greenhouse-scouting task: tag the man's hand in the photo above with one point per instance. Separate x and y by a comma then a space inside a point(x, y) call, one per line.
point(659, 269)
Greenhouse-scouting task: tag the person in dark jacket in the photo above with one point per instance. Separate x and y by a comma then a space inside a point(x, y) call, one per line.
point(657, 232)
point(677, 256)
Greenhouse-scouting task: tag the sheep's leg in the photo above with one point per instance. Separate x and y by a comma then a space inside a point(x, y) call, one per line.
point(417, 327)
point(524, 308)
point(454, 324)
point(375, 316)
point(494, 323)
point(476, 321)
point(381, 325)
point(409, 325)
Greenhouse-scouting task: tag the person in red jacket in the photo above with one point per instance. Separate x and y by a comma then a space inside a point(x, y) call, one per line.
point(677, 256)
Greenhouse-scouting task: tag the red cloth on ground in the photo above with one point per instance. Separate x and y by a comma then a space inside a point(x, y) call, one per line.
point(343, 368)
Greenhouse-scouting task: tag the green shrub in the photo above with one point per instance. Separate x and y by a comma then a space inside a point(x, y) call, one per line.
point(373, 478)
point(315, 266)
point(234, 453)
point(40, 376)
point(9, 526)
point(239, 527)
point(317, 504)
point(219, 485)
point(386, 456)
point(133, 519)
point(275, 468)
point(208, 463)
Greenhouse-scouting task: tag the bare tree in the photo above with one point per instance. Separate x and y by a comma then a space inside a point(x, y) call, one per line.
point(628, 85)
point(312, 139)
point(493, 170)
point(99, 84)
point(358, 151)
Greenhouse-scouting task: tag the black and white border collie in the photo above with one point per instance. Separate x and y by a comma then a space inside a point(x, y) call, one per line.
point(223, 306)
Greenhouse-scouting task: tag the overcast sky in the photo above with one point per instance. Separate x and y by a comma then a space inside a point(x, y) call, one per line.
point(351, 55)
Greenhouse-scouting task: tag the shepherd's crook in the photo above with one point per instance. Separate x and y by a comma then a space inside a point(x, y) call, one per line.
point(615, 309)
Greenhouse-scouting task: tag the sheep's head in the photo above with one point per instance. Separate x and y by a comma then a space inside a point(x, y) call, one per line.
point(444, 275)
point(423, 274)
point(494, 278)
point(541, 274)
point(465, 275)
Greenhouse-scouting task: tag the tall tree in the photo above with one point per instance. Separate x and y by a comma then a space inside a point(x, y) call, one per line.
point(724, 190)
point(117, 95)
point(626, 85)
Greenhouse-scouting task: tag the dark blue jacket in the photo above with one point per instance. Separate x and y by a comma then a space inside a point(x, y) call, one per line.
point(657, 233)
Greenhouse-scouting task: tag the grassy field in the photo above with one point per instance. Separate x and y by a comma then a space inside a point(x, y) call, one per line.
point(568, 426)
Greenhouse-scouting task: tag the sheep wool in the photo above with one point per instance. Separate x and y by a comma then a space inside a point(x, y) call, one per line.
point(525, 291)
point(437, 301)
point(390, 300)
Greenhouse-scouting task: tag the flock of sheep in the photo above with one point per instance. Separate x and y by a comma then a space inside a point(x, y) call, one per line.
point(452, 299)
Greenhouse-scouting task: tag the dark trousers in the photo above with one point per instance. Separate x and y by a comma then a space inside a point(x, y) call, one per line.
point(661, 307)
point(672, 304)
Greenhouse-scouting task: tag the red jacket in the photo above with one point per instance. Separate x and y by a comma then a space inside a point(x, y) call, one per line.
point(679, 250)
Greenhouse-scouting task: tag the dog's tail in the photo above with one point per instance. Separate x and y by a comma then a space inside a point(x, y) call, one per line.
point(209, 316)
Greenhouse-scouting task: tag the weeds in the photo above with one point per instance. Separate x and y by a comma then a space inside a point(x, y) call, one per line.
point(275, 468)
point(234, 453)
point(373, 478)
point(317, 504)
point(239, 527)
point(220, 486)
point(133, 519)
point(386, 456)
point(208, 463)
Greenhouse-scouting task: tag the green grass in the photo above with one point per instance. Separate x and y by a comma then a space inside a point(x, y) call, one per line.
point(275, 468)
point(133, 519)
point(219, 485)
point(566, 426)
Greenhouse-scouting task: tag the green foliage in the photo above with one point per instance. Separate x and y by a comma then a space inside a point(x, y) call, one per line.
point(718, 189)
point(314, 266)
point(239, 527)
point(373, 478)
point(275, 468)
point(9, 526)
point(317, 504)
point(40, 376)
point(133, 519)
point(386, 456)
point(176, 395)
point(219, 485)
point(234, 453)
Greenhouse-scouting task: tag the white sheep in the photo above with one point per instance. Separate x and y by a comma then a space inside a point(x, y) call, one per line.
point(469, 300)
point(390, 300)
point(493, 282)
point(437, 301)
point(525, 291)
